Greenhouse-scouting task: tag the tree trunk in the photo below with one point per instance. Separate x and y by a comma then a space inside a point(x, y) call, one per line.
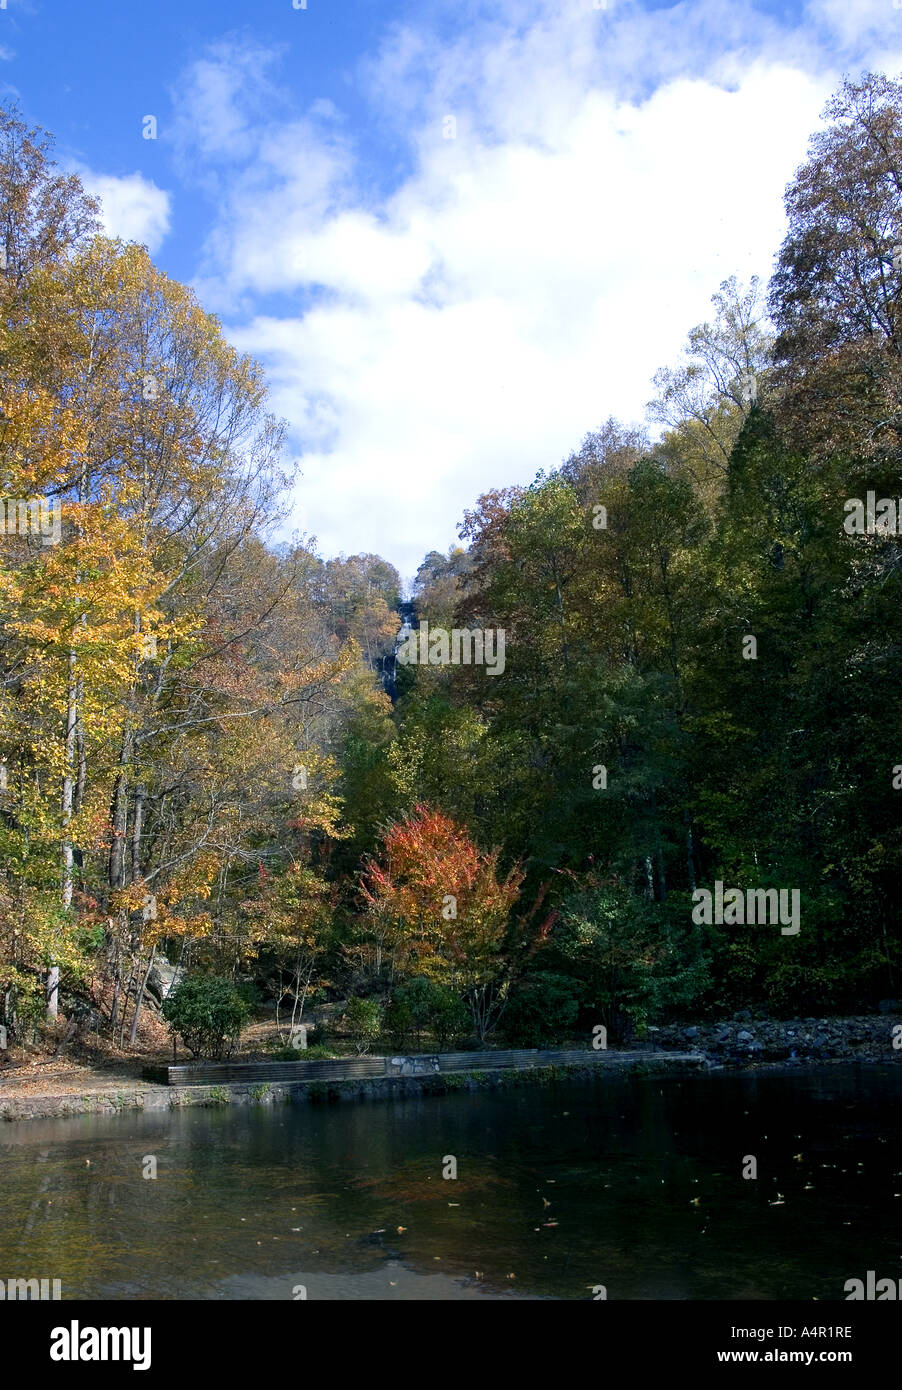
point(690, 854)
point(114, 955)
point(140, 999)
point(80, 747)
point(53, 987)
point(66, 807)
point(136, 833)
point(119, 815)
point(119, 828)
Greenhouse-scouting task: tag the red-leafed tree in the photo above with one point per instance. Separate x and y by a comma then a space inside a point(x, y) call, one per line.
point(437, 907)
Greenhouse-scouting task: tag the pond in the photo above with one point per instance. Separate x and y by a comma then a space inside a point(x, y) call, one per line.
point(632, 1184)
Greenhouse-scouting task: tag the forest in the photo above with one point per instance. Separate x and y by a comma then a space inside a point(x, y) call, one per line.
point(212, 756)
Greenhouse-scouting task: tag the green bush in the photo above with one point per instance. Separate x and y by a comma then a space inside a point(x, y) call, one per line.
point(364, 1021)
point(417, 994)
point(542, 1010)
point(398, 1021)
point(449, 1016)
point(207, 1014)
point(633, 961)
point(422, 1005)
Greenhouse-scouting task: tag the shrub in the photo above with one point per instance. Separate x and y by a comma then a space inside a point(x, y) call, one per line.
point(417, 995)
point(632, 960)
point(207, 1014)
point(398, 1021)
point(541, 1010)
point(421, 1004)
point(364, 1020)
point(449, 1016)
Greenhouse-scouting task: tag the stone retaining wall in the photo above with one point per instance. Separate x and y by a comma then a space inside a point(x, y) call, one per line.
point(150, 1097)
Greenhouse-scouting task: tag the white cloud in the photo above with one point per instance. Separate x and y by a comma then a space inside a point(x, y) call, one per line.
point(609, 170)
point(222, 101)
point(864, 20)
point(133, 208)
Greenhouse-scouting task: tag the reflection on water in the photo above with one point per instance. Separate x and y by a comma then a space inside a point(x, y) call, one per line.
point(634, 1184)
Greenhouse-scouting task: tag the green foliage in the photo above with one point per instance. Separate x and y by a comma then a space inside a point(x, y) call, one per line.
point(542, 1010)
point(207, 1014)
point(314, 1052)
point(634, 960)
point(424, 1005)
point(363, 1018)
point(398, 1021)
point(449, 1016)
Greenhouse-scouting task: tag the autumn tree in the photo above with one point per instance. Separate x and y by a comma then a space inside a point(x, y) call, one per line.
point(438, 908)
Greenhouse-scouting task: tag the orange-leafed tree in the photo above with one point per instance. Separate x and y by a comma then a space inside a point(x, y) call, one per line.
point(437, 907)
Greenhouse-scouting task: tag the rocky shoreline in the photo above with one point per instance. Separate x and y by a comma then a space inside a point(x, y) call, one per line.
point(744, 1039)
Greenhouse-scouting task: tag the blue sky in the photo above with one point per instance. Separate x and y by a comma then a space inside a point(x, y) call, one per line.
point(459, 235)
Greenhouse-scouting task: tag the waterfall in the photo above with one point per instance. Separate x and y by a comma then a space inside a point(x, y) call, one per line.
point(389, 664)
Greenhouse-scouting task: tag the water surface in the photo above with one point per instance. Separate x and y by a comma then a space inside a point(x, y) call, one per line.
point(634, 1184)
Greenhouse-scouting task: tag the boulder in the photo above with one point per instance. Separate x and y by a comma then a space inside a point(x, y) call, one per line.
point(163, 979)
